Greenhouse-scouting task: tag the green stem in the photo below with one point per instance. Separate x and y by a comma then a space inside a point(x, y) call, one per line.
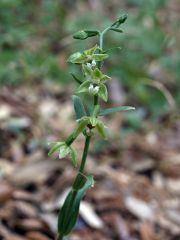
point(95, 100)
point(70, 140)
point(60, 237)
point(101, 38)
point(101, 42)
point(85, 152)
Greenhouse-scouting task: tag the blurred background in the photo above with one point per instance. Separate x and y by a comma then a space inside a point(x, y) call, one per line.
point(137, 171)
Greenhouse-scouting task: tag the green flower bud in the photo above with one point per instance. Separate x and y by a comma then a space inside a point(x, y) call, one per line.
point(83, 34)
point(80, 35)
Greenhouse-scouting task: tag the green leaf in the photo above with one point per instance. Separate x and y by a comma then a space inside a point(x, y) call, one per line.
point(116, 30)
point(84, 86)
point(73, 156)
point(78, 107)
point(110, 49)
point(100, 57)
point(114, 110)
point(69, 212)
point(79, 182)
point(76, 79)
point(103, 93)
point(77, 58)
point(105, 78)
point(101, 128)
point(55, 148)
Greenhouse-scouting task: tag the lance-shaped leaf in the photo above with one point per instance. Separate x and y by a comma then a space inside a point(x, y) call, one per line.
point(100, 57)
point(103, 93)
point(69, 213)
point(79, 182)
point(111, 49)
point(78, 107)
point(76, 79)
point(108, 111)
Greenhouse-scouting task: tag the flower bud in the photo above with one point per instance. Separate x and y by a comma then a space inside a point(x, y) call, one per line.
point(80, 35)
point(83, 34)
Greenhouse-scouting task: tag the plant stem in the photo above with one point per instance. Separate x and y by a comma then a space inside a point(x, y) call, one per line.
point(60, 237)
point(85, 152)
point(101, 41)
point(88, 138)
point(95, 100)
point(101, 37)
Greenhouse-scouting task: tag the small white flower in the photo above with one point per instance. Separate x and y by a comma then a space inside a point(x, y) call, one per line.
point(91, 87)
point(96, 89)
point(89, 65)
point(93, 64)
point(93, 90)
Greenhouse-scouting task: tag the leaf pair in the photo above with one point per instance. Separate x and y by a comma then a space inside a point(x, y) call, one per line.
point(69, 212)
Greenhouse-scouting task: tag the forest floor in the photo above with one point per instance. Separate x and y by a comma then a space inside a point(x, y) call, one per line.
point(137, 190)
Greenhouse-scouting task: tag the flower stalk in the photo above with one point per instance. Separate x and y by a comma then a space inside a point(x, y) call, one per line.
point(91, 83)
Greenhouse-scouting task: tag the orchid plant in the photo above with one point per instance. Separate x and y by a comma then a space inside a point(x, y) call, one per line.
point(92, 83)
